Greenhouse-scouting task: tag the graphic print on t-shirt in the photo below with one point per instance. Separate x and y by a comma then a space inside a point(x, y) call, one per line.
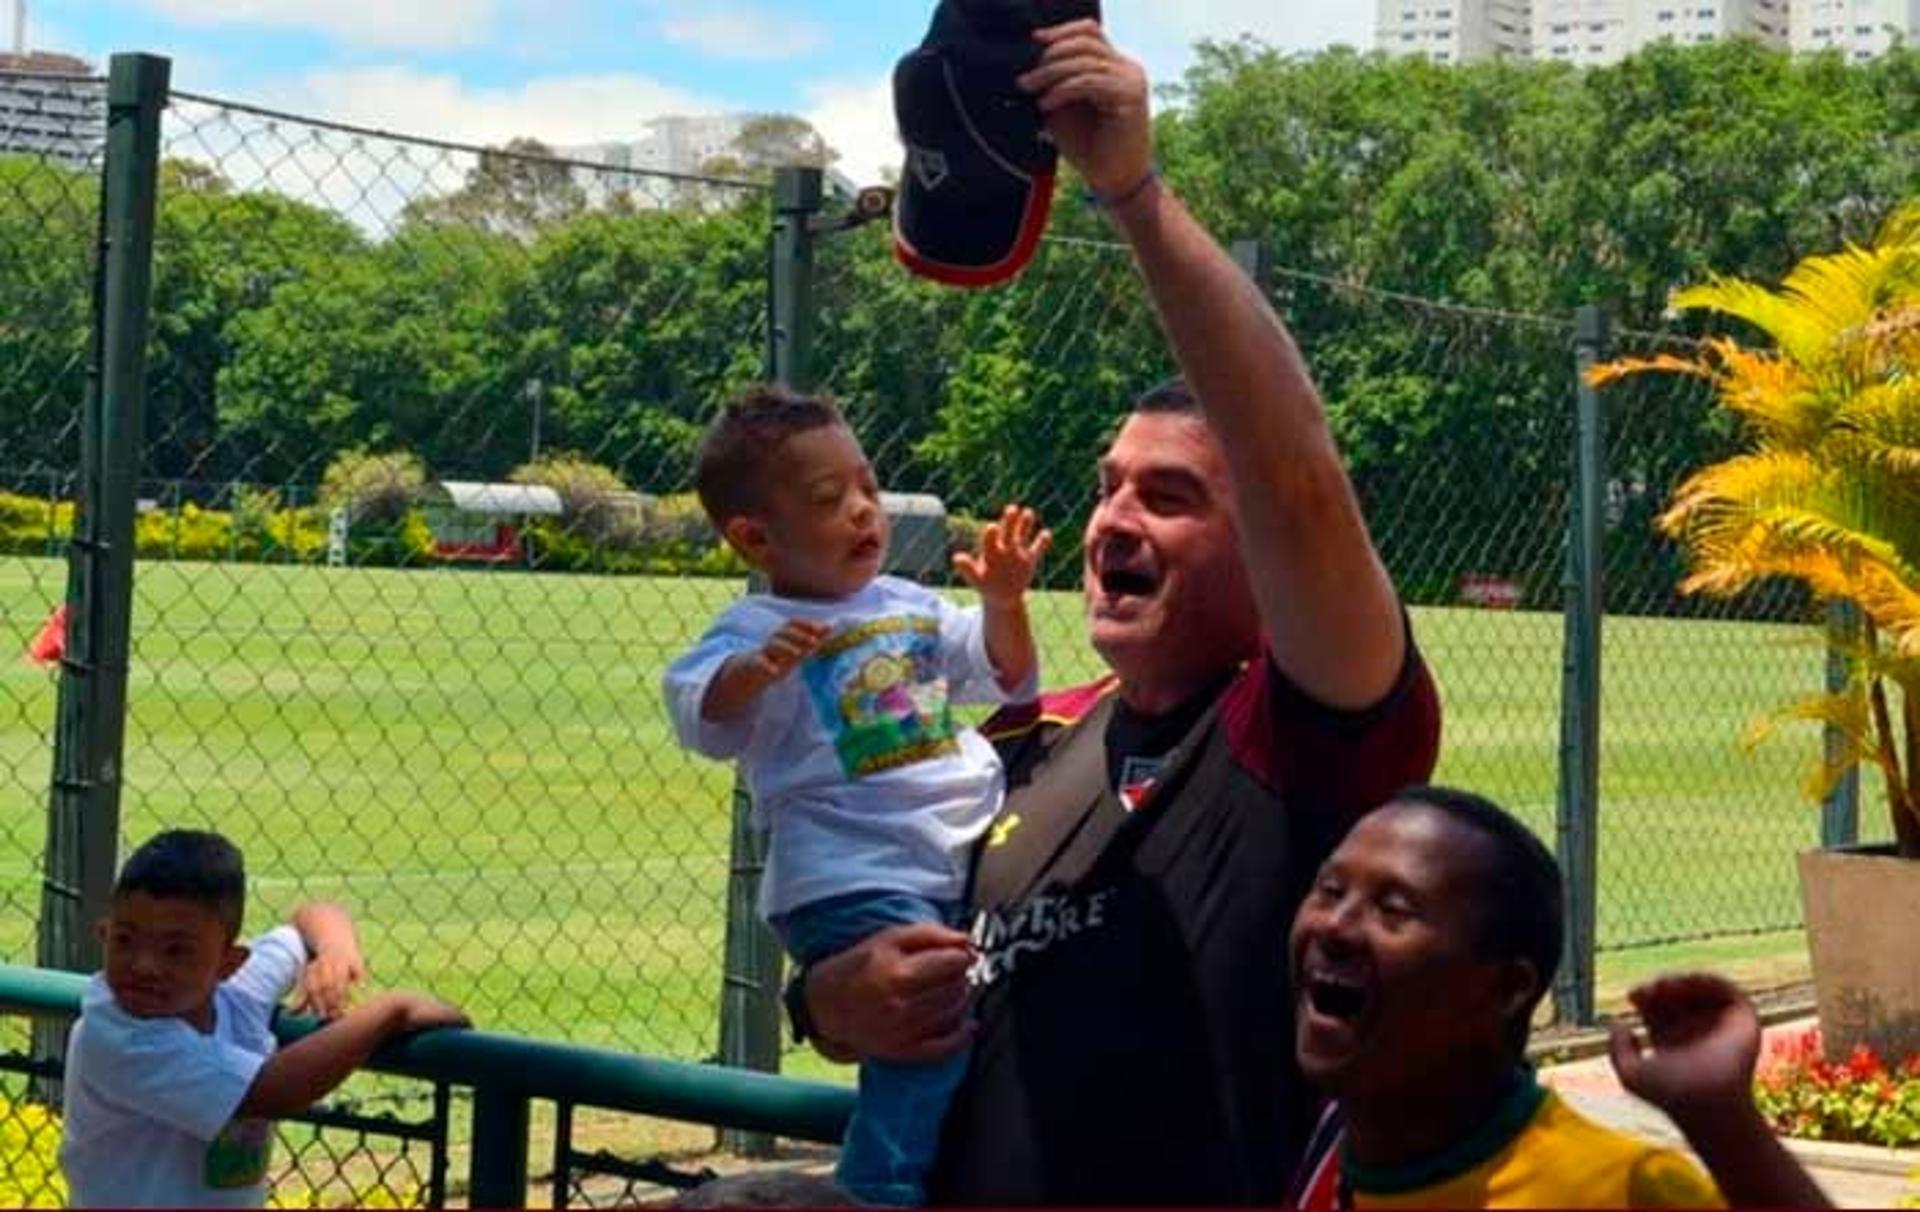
point(238, 1157)
point(880, 694)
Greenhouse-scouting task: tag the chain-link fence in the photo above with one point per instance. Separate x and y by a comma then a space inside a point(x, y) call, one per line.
point(473, 757)
point(338, 1157)
point(52, 133)
point(439, 705)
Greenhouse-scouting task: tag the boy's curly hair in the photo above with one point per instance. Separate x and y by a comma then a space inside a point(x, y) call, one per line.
point(738, 451)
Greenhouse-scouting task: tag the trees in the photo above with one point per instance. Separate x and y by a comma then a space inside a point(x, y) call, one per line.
point(767, 142)
point(48, 219)
point(219, 254)
point(515, 191)
point(527, 300)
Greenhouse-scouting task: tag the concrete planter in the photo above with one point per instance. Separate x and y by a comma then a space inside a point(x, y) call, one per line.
point(1860, 1176)
point(1863, 931)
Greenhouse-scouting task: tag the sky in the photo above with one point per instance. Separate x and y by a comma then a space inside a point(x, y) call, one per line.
point(580, 71)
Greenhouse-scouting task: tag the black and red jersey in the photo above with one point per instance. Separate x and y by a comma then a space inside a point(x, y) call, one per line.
point(1136, 1017)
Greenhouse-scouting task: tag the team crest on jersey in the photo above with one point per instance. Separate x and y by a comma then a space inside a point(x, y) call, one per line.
point(1138, 777)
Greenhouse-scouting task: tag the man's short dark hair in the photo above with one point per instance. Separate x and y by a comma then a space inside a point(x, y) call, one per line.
point(192, 865)
point(737, 452)
point(1522, 906)
point(1172, 396)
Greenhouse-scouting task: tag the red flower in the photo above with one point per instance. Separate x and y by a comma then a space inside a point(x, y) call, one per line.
point(1864, 1063)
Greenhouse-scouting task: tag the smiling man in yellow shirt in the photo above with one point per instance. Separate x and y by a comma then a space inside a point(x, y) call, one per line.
point(1419, 955)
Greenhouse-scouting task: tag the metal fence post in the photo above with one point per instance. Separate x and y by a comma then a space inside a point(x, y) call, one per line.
point(498, 1177)
point(1578, 820)
point(750, 1010)
point(1840, 815)
point(1254, 259)
point(83, 808)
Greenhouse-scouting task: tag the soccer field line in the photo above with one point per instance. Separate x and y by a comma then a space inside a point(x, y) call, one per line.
point(15, 872)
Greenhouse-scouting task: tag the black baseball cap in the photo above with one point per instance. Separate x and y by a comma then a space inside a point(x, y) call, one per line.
point(977, 187)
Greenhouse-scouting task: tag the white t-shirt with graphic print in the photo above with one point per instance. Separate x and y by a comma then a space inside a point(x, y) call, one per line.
point(854, 760)
point(150, 1102)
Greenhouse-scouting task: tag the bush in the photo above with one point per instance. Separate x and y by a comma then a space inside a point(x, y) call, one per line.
point(30, 1170)
point(1859, 1101)
point(32, 526)
point(558, 549)
point(599, 506)
point(405, 543)
point(680, 519)
point(296, 535)
point(676, 540)
point(373, 487)
point(29, 1157)
point(192, 533)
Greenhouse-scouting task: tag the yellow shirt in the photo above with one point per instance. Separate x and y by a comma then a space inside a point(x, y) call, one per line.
point(1556, 1158)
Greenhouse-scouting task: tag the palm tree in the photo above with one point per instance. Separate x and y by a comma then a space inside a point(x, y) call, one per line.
point(1828, 491)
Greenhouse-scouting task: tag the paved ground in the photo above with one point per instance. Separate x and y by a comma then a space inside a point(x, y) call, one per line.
point(1854, 1177)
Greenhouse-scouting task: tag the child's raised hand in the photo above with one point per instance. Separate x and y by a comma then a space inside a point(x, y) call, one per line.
point(796, 640)
point(1702, 1041)
point(326, 985)
point(1009, 555)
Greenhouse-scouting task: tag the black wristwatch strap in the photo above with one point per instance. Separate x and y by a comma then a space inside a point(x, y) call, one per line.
point(794, 997)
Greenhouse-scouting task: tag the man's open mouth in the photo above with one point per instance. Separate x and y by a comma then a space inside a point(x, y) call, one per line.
point(1340, 998)
point(1127, 582)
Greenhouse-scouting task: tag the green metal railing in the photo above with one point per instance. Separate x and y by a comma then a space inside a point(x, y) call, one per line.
point(506, 1075)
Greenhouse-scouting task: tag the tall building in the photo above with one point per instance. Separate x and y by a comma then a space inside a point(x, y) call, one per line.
point(1452, 31)
point(51, 108)
point(685, 146)
point(670, 145)
point(1859, 28)
point(1593, 32)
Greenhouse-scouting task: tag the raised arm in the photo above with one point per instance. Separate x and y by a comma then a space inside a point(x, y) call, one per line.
point(335, 964)
point(1696, 1064)
point(1330, 611)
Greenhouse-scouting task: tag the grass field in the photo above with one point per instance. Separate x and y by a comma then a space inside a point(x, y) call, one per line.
point(480, 765)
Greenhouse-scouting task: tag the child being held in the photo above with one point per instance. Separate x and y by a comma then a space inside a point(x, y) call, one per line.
point(833, 689)
point(173, 1075)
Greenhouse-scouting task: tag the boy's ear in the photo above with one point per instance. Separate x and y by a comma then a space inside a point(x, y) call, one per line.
point(100, 931)
point(234, 959)
point(749, 536)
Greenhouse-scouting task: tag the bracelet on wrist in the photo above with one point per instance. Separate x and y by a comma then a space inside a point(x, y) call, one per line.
point(1114, 201)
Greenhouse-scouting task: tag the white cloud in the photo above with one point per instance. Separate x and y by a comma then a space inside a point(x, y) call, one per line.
point(557, 110)
point(734, 32)
point(856, 119)
point(406, 24)
point(369, 180)
point(1294, 25)
point(1163, 34)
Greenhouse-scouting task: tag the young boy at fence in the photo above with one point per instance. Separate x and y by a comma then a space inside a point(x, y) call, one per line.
point(833, 691)
point(1424, 945)
point(173, 1077)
